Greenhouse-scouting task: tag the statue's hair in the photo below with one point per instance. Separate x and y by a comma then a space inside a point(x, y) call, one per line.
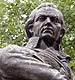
point(30, 21)
point(41, 6)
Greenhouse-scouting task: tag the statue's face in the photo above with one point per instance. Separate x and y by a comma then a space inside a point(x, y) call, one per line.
point(47, 23)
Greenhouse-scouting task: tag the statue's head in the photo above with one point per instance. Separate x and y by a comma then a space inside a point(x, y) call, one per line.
point(46, 21)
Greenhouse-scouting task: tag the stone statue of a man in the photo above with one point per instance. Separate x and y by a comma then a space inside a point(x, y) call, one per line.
point(41, 58)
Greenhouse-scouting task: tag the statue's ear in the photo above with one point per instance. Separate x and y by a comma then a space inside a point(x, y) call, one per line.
point(29, 28)
point(61, 36)
point(62, 32)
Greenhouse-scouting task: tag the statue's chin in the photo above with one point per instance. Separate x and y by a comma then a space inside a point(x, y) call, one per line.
point(48, 39)
point(48, 36)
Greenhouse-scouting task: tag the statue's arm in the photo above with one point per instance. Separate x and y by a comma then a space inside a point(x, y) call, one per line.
point(19, 65)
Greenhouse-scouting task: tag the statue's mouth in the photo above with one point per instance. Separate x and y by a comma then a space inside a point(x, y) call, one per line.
point(47, 29)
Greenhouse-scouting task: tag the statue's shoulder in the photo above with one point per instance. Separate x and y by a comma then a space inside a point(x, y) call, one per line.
point(11, 48)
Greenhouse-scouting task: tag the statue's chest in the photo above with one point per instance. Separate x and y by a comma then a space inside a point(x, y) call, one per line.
point(56, 61)
point(49, 58)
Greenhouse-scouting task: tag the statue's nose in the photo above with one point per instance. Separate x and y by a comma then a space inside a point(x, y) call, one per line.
point(48, 20)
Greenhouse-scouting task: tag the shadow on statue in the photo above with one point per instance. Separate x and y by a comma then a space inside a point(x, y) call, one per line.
point(41, 58)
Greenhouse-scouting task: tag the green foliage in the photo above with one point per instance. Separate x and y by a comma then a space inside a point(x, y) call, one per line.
point(13, 16)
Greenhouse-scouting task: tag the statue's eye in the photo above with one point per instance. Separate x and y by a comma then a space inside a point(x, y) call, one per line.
point(41, 18)
point(54, 19)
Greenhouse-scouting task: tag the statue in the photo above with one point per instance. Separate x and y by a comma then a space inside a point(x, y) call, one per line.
point(41, 58)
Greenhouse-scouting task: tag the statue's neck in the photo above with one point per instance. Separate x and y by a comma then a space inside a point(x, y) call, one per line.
point(45, 43)
point(36, 42)
point(49, 42)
